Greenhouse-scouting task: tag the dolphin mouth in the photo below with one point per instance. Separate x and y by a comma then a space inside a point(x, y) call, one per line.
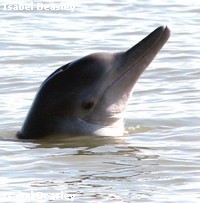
point(138, 58)
point(132, 64)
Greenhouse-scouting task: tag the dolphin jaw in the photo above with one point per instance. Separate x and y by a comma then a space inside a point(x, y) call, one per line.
point(131, 64)
point(94, 128)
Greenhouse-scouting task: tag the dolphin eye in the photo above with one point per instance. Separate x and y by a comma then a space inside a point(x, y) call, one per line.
point(87, 105)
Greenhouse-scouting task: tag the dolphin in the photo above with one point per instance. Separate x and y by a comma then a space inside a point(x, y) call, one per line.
point(88, 96)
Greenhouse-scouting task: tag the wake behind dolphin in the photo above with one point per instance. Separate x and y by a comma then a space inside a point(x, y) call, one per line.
point(88, 96)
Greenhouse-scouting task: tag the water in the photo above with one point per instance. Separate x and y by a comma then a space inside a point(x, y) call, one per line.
point(158, 158)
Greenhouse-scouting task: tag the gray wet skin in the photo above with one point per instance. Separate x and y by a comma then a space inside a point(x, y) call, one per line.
point(88, 96)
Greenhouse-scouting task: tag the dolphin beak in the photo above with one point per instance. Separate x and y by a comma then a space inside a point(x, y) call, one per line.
point(128, 67)
point(134, 61)
point(140, 56)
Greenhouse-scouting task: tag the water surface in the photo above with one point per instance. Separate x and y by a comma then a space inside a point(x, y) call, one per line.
point(158, 158)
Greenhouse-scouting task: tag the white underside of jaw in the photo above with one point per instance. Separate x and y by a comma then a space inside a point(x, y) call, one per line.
point(109, 131)
point(78, 126)
point(115, 129)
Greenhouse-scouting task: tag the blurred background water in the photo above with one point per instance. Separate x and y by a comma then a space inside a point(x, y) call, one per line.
point(158, 158)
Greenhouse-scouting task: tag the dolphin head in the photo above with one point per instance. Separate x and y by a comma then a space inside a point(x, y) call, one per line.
point(89, 95)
